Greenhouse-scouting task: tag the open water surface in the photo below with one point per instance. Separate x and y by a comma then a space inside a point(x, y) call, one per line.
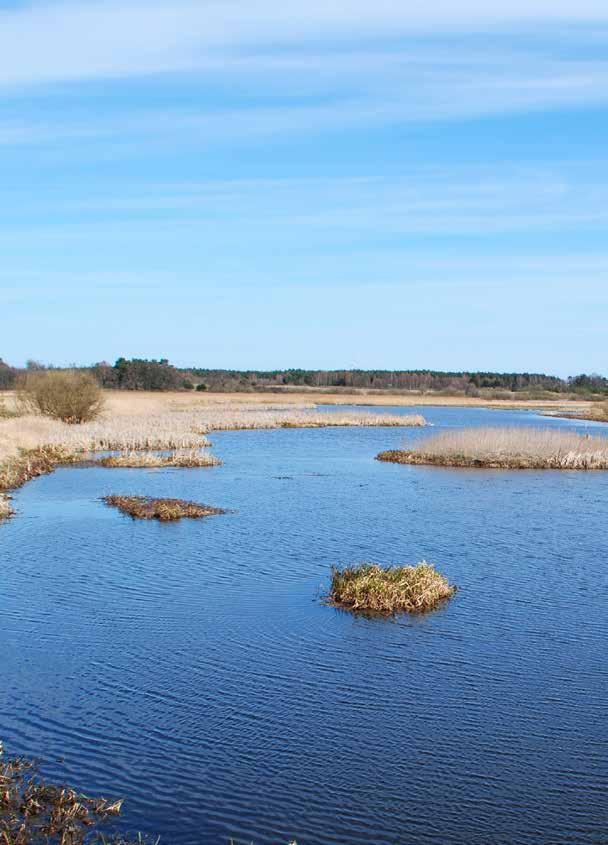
point(194, 669)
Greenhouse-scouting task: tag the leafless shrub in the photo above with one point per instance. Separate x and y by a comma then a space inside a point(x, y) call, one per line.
point(72, 396)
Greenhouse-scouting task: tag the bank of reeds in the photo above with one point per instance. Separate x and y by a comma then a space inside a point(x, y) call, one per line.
point(371, 588)
point(18, 468)
point(32, 445)
point(142, 460)
point(5, 507)
point(166, 510)
point(507, 448)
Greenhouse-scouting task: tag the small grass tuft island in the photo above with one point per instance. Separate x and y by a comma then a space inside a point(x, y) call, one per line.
point(507, 448)
point(142, 460)
point(371, 588)
point(166, 510)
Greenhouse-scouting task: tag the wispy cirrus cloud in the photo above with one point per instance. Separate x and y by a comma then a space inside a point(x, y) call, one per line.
point(440, 201)
point(290, 68)
point(58, 41)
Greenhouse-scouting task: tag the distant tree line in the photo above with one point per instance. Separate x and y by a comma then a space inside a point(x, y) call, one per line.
point(152, 374)
point(397, 380)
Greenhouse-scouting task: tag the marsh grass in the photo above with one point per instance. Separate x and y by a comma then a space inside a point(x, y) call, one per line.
point(191, 458)
point(507, 448)
point(166, 510)
point(5, 507)
point(33, 812)
point(19, 468)
point(33, 445)
point(371, 588)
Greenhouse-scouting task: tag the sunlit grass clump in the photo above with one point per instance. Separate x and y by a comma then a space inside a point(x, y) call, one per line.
point(5, 507)
point(507, 448)
point(166, 510)
point(192, 458)
point(371, 588)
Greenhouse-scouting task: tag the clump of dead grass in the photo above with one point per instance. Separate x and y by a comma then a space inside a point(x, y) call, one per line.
point(19, 468)
point(33, 812)
point(371, 588)
point(5, 507)
point(507, 448)
point(166, 510)
point(185, 459)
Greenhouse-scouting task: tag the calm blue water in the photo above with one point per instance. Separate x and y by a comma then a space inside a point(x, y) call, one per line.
point(193, 668)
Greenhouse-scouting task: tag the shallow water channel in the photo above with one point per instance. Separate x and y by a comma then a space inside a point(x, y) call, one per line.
point(194, 669)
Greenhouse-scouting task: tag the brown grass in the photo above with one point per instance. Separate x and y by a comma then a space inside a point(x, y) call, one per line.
point(5, 507)
point(507, 448)
point(33, 812)
point(31, 463)
point(166, 510)
point(191, 458)
point(33, 444)
point(371, 588)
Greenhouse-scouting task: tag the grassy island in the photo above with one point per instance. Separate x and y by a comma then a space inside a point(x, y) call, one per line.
point(371, 588)
point(192, 458)
point(507, 448)
point(166, 510)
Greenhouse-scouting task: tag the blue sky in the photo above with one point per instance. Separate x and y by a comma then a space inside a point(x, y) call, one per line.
point(330, 184)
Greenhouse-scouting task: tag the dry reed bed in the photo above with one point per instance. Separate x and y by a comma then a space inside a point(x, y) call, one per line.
point(371, 588)
point(34, 445)
point(141, 460)
point(5, 507)
point(507, 448)
point(597, 413)
point(165, 510)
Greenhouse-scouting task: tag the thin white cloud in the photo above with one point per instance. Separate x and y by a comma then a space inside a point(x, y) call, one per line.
point(457, 88)
point(63, 41)
point(473, 201)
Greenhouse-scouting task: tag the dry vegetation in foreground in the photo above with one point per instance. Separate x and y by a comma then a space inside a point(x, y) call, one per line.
point(141, 460)
point(507, 448)
point(166, 510)
point(33, 812)
point(371, 588)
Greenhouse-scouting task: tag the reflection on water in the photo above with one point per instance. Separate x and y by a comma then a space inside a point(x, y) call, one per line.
point(193, 668)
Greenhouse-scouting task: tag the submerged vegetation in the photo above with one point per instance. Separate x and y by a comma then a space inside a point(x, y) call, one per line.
point(166, 510)
point(507, 448)
point(33, 812)
point(371, 588)
point(191, 458)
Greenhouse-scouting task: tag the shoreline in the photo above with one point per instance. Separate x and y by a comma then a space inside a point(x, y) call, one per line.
point(144, 424)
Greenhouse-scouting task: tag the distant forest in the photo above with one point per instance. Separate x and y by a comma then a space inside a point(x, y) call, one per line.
point(141, 374)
